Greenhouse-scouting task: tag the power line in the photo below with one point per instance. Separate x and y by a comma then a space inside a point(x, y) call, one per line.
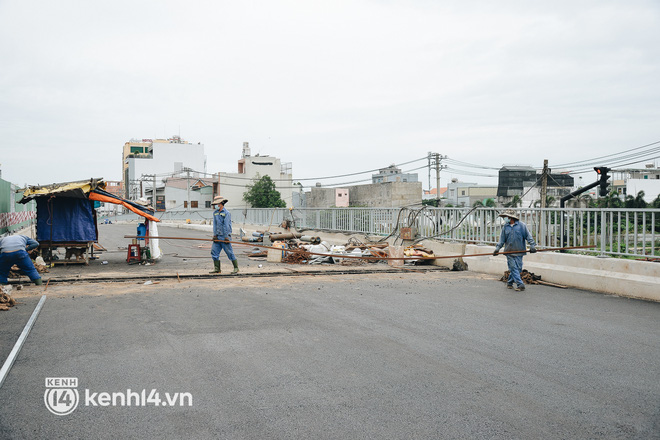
point(600, 158)
point(219, 174)
point(470, 165)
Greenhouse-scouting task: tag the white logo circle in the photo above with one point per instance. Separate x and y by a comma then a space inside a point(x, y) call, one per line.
point(61, 401)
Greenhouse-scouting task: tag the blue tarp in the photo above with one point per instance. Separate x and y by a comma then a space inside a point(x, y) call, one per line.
point(71, 219)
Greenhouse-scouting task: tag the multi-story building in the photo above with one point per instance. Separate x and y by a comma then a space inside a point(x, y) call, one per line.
point(393, 174)
point(114, 187)
point(633, 180)
point(525, 182)
point(144, 158)
point(232, 186)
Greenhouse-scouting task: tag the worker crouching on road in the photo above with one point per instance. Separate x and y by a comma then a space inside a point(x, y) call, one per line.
point(14, 250)
point(513, 237)
point(222, 235)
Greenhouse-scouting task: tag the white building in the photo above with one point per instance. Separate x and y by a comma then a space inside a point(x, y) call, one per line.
point(162, 157)
point(232, 186)
point(466, 194)
point(182, 193)
point(630, 182)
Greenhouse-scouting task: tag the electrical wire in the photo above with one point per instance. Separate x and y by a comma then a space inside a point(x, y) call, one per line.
point(590, 161)
point(287, 180)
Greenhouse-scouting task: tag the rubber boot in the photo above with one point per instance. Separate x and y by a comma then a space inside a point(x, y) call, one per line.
point(38, 282)
point(216, 266)
point(235, 263)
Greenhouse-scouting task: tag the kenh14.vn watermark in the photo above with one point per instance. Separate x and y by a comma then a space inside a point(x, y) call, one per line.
point(61, 397)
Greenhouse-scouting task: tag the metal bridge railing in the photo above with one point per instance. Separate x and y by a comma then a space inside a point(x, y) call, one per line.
point(620, 232)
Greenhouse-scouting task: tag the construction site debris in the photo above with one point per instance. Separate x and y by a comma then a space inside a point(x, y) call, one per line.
point(296, 256)
point(6, 301)
point(459, 265)
point(531, 278)
point(310, 239)
point(276, 253)
point(395, 252)
point(420, 252)
point(285, 236)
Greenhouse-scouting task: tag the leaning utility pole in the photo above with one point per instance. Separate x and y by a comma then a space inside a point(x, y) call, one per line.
point(544, 184)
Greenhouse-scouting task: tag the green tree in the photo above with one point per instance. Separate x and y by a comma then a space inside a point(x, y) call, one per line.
point(639, 200)
point(515, 202)
point(549, 200)
point(629, 202)
point(488, 203)
point(261, 193)
point(656, 203)
point(584, 200)
point(612, 200)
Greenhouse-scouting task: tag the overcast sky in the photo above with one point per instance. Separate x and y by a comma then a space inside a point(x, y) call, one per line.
point(334, 87)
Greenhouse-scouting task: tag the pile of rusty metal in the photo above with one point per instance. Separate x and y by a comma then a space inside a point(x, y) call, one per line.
point(296, 256)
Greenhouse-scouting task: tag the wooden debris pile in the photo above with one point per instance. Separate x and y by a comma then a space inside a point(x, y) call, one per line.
point(419, 251)
point(531, 278)
point(6, 301)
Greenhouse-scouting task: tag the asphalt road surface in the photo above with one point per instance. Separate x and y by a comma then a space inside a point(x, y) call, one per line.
point(437, 355)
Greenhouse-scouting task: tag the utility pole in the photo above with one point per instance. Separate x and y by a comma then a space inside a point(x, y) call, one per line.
point(429, 161)
point(438, 166)
point(188, 185)
point(153, 187)
point(544, 183)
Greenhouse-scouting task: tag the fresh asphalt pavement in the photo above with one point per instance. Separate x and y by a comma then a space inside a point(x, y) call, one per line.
point(410, 355)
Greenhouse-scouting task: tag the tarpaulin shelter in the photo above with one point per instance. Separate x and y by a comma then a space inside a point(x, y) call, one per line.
point(65, 212)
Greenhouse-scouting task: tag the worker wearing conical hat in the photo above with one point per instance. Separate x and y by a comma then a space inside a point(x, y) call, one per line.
point(513, 237)
point(222, 235)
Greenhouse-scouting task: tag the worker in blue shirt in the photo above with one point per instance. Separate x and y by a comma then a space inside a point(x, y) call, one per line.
point(513, 237)
point(222, 235)
point(14, 250)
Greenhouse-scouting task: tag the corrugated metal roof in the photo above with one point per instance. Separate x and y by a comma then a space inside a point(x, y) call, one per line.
point(78, 189)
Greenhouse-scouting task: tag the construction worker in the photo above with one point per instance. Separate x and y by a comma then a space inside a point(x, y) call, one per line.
point(513, 237)
point(222, 235)
point(14, 250)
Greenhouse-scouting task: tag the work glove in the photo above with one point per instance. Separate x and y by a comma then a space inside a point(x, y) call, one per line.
point(497, 251)
point(532, 250)
point(215, 238)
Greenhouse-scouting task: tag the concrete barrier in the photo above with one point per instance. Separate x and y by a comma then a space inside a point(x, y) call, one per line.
point(617, 276)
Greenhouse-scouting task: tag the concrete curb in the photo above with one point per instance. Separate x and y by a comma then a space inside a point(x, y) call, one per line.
point(616, 276)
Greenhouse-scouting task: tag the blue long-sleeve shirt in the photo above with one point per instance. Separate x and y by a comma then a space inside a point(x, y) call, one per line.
point(16, 243)
point(221, 223)
point(513, 238)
